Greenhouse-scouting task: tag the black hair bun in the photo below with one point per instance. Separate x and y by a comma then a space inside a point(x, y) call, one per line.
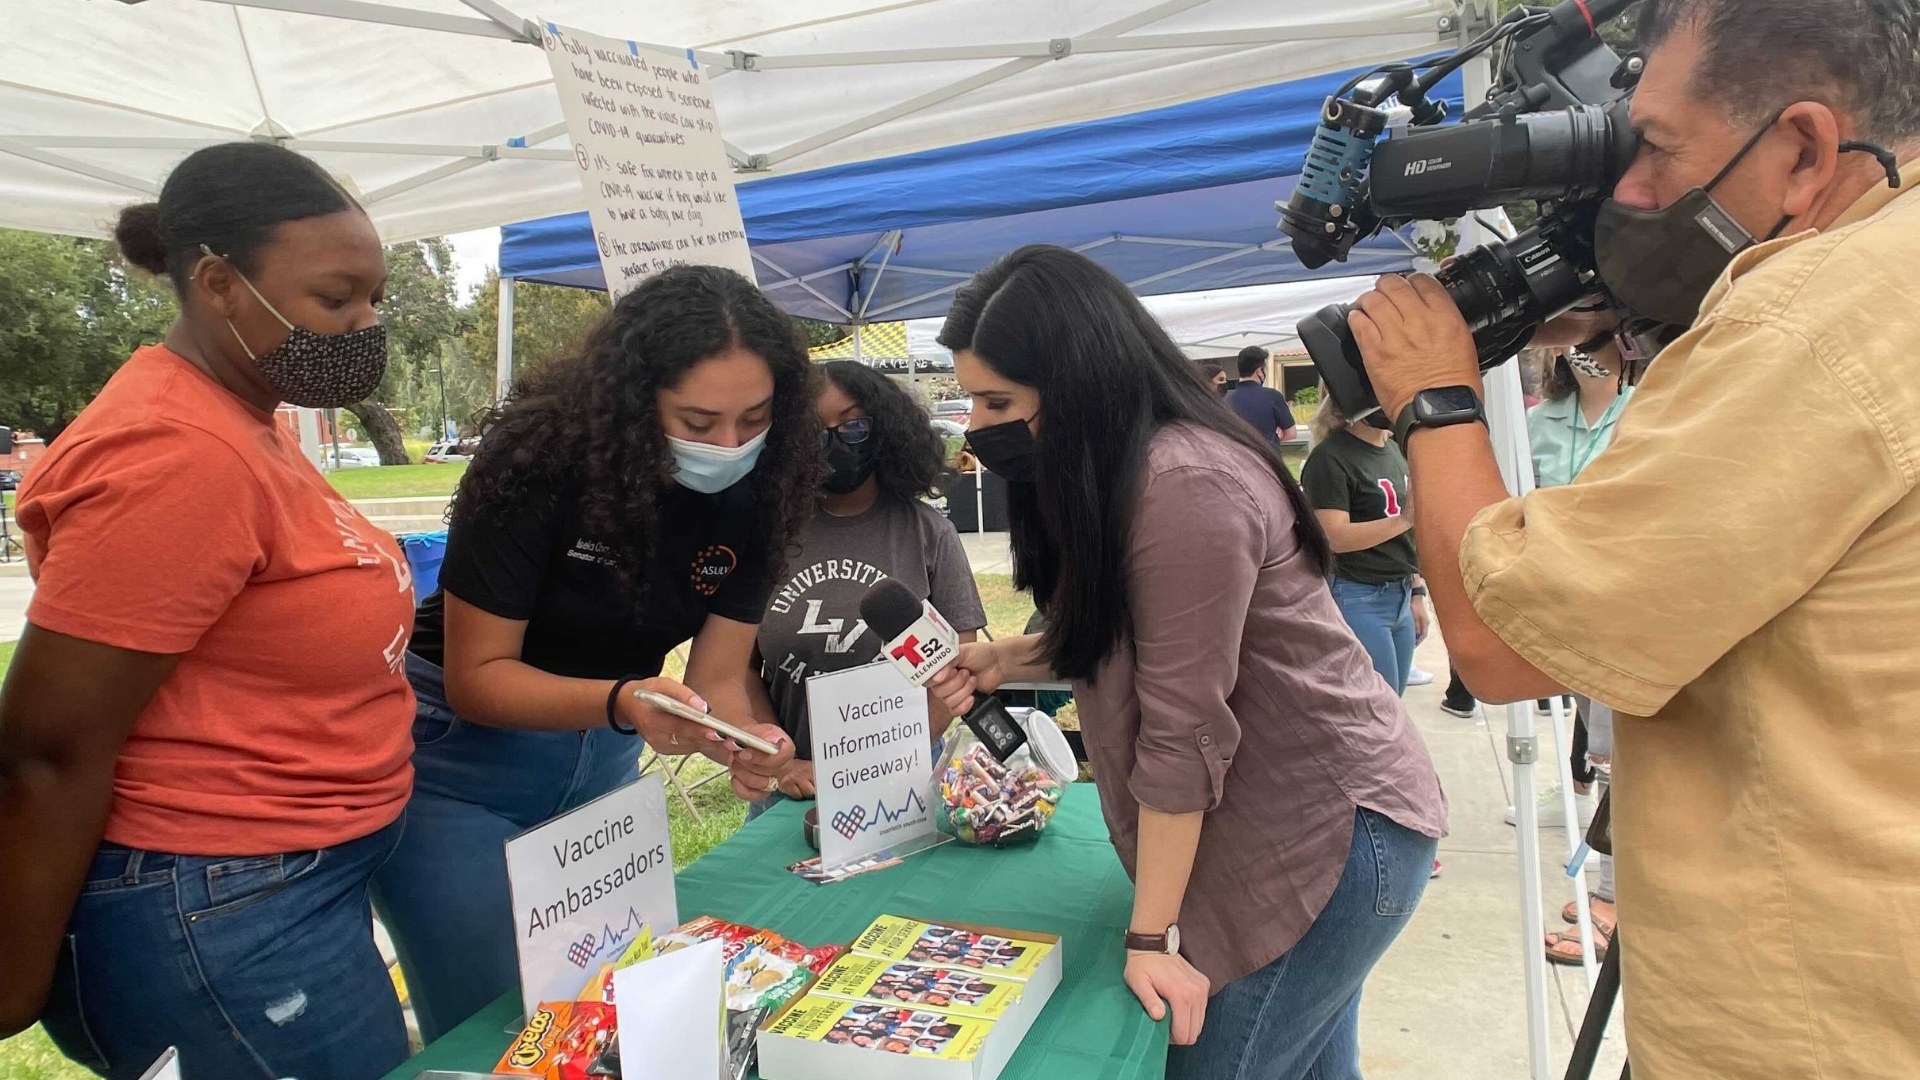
point(140, 239)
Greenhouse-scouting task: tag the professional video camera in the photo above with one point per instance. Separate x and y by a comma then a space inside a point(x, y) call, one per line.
point(1554, 129)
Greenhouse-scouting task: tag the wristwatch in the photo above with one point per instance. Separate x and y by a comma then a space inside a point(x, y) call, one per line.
point(1167, 943)
point(1442, 406)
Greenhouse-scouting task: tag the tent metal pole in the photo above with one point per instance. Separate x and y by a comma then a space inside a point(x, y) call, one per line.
point(1056, 48)
point(802, 281)
point(74, 165)
point(527, 29)
point(358, 11)
point(905, 108)
point(503, 349)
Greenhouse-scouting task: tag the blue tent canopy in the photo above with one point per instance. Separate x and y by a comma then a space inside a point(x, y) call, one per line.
point(1177, 199)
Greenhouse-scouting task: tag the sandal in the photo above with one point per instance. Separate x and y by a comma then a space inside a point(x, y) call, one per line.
point(1571, 916)
point(1564, 948)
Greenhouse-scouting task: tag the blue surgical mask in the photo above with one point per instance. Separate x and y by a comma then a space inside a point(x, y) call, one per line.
point(708, 469)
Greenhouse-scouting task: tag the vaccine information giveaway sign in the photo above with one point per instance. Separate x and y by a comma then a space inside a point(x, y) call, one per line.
point(647, 140)
point(585, 883)
point(872, 763)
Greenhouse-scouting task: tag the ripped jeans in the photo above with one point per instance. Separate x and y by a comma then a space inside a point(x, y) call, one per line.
point(255, 966)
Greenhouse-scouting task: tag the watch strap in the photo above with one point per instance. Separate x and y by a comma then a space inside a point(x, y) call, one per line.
point(1153, 943)
point(1411, 418)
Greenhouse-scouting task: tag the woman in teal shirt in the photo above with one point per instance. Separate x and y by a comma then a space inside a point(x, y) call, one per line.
point(1585, 394)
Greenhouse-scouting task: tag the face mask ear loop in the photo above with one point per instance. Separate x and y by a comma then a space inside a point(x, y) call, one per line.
point(256, 295)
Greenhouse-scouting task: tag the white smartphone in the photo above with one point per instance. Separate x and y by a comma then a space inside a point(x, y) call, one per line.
point(707, 720)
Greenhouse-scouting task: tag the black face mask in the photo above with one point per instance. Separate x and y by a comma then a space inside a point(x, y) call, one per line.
point(848, 464)
point(1662, 263)
point(1007, 450)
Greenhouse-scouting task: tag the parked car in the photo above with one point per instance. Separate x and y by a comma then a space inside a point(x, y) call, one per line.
point(455, 450)
point(956, 409)
point(9, 479)
point(357, 457)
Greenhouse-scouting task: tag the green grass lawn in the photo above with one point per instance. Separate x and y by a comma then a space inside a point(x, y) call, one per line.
point(398, 481)
point(30, 1056)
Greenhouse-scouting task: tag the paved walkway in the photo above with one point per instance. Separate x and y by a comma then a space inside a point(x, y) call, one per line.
point(1449, 1000)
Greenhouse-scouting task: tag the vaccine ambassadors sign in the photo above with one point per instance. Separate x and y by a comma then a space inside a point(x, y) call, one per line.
point(872, 763)
point(585, 883)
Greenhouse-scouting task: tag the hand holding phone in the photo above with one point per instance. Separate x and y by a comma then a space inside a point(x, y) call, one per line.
point(705, 719)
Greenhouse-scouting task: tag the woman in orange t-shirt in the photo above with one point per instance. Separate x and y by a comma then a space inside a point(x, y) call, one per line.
point(204, 738)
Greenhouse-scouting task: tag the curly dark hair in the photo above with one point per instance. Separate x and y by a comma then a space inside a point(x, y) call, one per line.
point(590, 420)
point(911, 458)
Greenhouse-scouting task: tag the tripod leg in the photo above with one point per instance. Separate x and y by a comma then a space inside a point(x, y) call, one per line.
point(1586, 1045)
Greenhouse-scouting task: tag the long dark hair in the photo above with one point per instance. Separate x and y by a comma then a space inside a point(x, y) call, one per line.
point(1109, 378)
point(911, 458)
point(588, 423)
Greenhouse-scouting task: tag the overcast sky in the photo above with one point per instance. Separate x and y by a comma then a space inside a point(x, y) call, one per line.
point(474, 252)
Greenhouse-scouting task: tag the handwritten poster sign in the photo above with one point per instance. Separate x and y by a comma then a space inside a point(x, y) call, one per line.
point(585, 883)
point(872, 763)
point(659, 185)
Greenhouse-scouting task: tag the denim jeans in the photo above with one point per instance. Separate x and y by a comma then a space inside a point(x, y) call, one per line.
point(255, 967)
point(1298, 1018)
point(1382, 618)
point(444, 893)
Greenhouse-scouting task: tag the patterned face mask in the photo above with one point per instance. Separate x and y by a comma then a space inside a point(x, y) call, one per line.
point(1584, 363)
point(317, 371)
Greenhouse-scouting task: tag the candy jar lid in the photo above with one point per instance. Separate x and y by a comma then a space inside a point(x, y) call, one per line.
point(1050, 747)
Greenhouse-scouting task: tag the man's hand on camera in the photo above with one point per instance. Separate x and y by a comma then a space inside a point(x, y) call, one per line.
point(1412, 338)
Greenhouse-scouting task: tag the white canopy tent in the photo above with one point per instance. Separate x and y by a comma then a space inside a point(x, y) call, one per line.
point(1218, 323)
point(442, 116)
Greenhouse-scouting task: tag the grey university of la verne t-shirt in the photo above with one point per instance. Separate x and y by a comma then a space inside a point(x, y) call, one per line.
point(813, 622)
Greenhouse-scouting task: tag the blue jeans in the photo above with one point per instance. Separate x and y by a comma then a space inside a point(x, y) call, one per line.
point(444, 893)
point(255, 967)
point(1298, 1018)
point(1382, 618)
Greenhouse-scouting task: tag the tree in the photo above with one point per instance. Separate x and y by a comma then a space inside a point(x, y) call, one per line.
point(549, 322)
point(822, 333)
point(71, 312)
point(421, 313)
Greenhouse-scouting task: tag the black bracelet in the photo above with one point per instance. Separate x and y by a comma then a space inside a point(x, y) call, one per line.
point(1419, 590)
point(613, 706)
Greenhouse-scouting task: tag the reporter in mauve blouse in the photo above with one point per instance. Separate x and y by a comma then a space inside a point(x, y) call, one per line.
point(1263, 787)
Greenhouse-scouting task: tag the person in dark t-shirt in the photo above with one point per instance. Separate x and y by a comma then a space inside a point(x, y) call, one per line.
point(1356, 481)
point(1265, 408)
point(623, 501)
point(868, 525)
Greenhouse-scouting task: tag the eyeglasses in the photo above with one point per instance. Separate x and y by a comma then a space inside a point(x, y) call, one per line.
point(852, 432)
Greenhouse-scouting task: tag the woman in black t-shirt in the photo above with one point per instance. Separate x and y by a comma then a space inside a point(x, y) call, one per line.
point(624, 500)
point(1356, 480)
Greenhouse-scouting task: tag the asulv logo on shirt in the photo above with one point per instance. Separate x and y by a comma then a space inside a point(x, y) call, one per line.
point(711, 567)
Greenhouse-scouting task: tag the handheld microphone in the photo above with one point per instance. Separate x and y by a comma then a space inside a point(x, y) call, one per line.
point(919, 640)
point(920, 643)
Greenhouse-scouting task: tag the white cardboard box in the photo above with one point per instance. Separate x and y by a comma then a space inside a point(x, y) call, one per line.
point(786, 1057)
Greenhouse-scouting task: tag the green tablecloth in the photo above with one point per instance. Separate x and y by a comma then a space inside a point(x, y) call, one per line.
point(1068, 883)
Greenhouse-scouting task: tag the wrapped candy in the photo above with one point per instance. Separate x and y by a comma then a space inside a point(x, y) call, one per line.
point(984, 800)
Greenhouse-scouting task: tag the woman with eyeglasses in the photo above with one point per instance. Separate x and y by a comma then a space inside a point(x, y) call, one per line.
point(869, 523)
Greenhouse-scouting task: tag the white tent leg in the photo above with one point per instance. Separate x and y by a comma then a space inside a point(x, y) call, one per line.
point(859, 353)
point(503, 350)
point(1507, 424)
point(1570, 808)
